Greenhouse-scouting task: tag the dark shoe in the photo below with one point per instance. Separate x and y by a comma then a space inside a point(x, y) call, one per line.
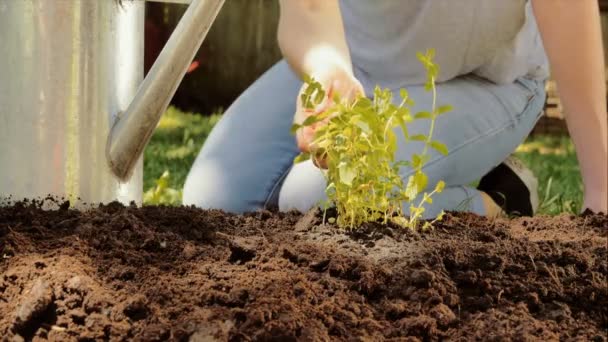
point(513, 187)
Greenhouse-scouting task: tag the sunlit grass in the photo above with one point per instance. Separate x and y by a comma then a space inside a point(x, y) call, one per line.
point(553, 161)
point(173, 148)
point(179, 137)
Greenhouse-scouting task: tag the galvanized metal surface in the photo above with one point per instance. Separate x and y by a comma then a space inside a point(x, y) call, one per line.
point(134, 128)
point(67, 67)
point(172, 1)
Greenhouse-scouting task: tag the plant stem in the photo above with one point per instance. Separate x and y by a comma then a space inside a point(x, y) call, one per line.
point(432, 129)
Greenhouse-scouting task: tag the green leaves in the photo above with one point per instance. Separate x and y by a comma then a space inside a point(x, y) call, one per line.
point(294, 128)
point(302, 157)
point(432, 69)
point(418, 137)
point(444, 109)
point(416, 183)
point(347, 174)
point(440, 147)
point(313, 94)
point(162, 193)
point(440, 186)
point(312, 120)
point(419, 160)
point(358, 140)
point(423, 115)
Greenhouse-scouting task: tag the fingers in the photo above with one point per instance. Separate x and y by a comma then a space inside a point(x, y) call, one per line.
point(344, 87)
point(304, 137)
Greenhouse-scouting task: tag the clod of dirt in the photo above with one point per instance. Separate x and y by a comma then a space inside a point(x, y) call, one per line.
point(307, 221)
point(443, 315)
point(242, 250)
point(78, 316)
point(137, 308)
point(36, 301)
point(422, 278)
point(76, 284)
point(212, 331)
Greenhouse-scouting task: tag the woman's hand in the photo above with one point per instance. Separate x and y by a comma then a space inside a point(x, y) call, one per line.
point(335, 81)
point(311, 38)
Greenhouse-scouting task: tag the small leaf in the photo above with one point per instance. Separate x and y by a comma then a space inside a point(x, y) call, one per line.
point(404, 94)
point(440, 147)
point(444, 109)
point(411, 190)
point(364, 126)
point(392, 142)
point(319, 96)
point(422, 58)
point(417, 161)
point(294, 128)
point(403, 163)
point(423, 115)
point(301, 158)
point(311, 120)
point(163, 181)
point(347, 174)
point(418, 137)
point(415, 184)
point(440, 186)
point(399, 220)
point(421, 180)
point(404, 114)
point(404, 130)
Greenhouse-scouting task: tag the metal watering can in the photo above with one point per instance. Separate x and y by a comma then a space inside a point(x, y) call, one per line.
point(75, 115)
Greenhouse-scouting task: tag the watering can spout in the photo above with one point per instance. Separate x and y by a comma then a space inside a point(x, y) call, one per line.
point(132, 129)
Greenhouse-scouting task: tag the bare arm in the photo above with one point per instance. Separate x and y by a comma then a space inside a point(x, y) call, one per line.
point(572, 37)
point(311, 36)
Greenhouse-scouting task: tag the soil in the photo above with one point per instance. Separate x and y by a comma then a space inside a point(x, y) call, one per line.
point(162, 273)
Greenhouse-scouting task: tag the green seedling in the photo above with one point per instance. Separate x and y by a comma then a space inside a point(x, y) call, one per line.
point(162, 193)
point(358, 141)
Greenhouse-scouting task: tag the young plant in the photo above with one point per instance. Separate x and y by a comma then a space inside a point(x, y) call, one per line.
point(358, 141)
point(163, 193)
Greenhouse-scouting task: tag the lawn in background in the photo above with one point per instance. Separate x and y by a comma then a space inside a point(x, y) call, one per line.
point(179, 137)
point(553, 161)
point(171, 152)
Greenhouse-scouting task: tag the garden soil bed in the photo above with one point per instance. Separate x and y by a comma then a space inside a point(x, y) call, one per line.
point(159, 273)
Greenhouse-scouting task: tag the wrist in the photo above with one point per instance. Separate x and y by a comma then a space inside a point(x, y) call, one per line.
point(323, 61)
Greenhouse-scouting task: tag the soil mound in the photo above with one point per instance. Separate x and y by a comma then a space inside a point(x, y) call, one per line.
point(165, 273)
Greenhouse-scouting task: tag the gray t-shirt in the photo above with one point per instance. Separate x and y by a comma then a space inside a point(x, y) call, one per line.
point(495, 39)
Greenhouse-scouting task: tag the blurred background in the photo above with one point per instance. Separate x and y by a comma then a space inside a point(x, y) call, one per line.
point(240, 46)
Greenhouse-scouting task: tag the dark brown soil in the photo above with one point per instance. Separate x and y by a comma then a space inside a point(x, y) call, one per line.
point(157, 273)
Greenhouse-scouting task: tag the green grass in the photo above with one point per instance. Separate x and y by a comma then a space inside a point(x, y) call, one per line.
point(553, 161)
point(179, 137)
point(171, 152)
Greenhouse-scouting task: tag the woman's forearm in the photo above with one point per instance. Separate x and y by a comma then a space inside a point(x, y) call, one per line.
point(311, 36)
point(572, 37)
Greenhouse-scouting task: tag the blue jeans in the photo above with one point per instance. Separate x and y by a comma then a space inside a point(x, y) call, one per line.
point(247, 161)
